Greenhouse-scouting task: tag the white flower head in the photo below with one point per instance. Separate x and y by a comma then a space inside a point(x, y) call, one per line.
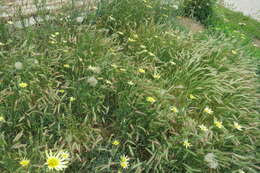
point(210, 158)
point(213, 164)
point(92, 81)
point(18, 65)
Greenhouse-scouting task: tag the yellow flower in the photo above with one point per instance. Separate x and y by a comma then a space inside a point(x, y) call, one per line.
point(150, 99)
point(116, 142)
point(108, 82)
point(237, 126)
point(72, 99)
point(23, 85)
point(203, 128)
point(61, 91)
point(55, 161)
point(10, 22)
point(218, 124)
point(140, 70)
point(65, 155)
point(24, 162)
point(66, 65)
point(234, 52)
point(156, 76)
point(208, 110)
point(174, 109)
point(186, 144)
point(124, 161)
point(192, 97)
point(1, 44)
point(124, 158)
point(2, 119)
point(124, 164)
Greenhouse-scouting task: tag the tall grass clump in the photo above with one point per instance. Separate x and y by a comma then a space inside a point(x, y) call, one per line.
point(125, 14)
point(201, 10)
point(126, 96)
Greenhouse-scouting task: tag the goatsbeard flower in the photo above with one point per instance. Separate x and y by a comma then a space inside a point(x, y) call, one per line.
point(24, 162)
point(56, 161)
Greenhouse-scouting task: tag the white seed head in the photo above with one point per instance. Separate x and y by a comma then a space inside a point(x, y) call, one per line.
point(79, 19)
point(92, 81)
point(18, 65)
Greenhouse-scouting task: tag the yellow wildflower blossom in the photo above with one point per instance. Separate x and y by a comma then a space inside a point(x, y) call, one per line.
point(23, 85)
point(65, 155)
point(150, 99)
point(203, 128)
point(234, 52)
point(156, 76)
point(116, 142)
point(55, 161)
point(186, 144)
point(24, 162)
point(140, 70)
point(61, 91)
point(124, 161)
point(124, 158)
point(2, 119)
point(174, 109)
point(66, 65)
point(218, 124)
point(192, 97)
point(208, 110)
point(237, 126)
point(72, 99)
point(124, 164)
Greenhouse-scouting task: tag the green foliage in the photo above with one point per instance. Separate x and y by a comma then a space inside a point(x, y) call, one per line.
point(201, 10)
point(236, 21)
point(134, 79)
point(126, 14)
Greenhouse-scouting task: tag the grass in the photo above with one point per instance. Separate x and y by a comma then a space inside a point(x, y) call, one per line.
point(173, 101)
point(236, 21)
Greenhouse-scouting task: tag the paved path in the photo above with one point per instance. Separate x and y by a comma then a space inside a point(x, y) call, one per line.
point(9, 8)
point(248, 7)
